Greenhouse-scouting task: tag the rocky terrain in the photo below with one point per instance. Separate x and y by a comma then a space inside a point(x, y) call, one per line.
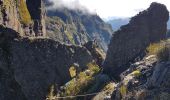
point(68, 61)
point(147, 79)
point(35, 64)
point(30, 65)
point(147, 27)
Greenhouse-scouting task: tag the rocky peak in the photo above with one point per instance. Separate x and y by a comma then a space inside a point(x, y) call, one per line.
point(131, 40)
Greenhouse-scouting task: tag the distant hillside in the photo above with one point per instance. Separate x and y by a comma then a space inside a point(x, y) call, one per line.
point(77, 27)
point(169, 23)
point(116, 23)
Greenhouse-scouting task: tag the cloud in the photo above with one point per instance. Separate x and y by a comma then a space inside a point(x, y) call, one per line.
point(109, 8)
point(70, 4)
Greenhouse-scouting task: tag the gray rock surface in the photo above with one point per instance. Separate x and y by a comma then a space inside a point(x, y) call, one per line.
point(33, 65)
point(11, 17)
point(152, 84)
point(131, 40)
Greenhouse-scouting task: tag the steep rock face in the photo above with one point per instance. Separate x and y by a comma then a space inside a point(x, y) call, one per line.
point(9, 16)
point(33, 65)
point(132, 39)
point(77, 27)
point(14, 14)
point(10, 88)
point(37, 12)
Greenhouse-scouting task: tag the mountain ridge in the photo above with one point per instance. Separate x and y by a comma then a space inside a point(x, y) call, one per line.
point(117, 22)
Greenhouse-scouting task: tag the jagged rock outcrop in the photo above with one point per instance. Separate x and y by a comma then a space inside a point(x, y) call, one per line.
point(14, 14)
point(134, 79)
point(37, 12)
point(131, 40)
point(30, 66)
point(97, 53)
point(151, 83)
point(77, 27)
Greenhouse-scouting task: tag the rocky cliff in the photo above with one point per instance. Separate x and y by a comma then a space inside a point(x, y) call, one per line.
point(77, 27)
point(28, 66)
point(131, 40)
point(18, 15)
point(29, 62)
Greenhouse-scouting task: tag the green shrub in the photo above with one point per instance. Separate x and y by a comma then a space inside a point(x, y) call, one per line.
point(82, 81)
point(70, 37)
point(136, 73)
point(123, 90)
point(93, 67)
point(72, 71)
point(76, 86)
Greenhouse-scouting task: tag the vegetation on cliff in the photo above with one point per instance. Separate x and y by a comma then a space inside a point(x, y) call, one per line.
point(77, 27)
point(25, 17)
point(160, 49)
point(85, 82)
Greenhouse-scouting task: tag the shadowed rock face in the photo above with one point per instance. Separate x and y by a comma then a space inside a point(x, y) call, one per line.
point(29, 67)
point(132, 39)
point(37, 13)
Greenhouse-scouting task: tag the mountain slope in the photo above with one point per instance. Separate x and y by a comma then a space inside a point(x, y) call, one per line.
point(77, 27)
point(116, 23)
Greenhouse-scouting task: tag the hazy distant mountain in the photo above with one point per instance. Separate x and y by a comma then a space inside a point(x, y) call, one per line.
point(169, 23)
point(116, 23)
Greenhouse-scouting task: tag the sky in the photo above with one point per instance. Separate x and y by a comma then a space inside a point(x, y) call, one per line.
point(112, 8)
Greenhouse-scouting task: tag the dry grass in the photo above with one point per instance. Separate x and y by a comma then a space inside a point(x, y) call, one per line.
point(155, 47)
point(163, 53)
point(161, 50)
point(25, 17)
